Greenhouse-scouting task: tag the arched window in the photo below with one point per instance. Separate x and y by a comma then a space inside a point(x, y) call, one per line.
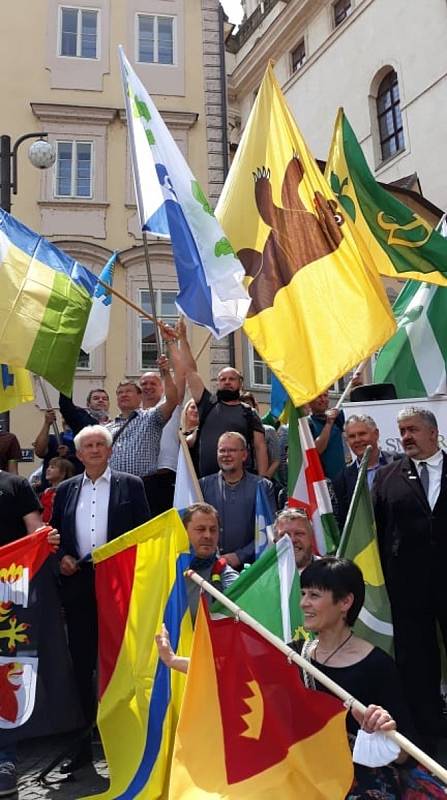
point(389, 116)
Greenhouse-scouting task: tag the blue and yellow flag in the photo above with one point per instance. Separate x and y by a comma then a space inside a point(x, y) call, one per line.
point(15, 387)
point(139, 585)
point(318, 306)
point(45, 301)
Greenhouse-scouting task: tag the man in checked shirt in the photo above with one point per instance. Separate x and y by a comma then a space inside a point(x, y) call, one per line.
point(137, 432)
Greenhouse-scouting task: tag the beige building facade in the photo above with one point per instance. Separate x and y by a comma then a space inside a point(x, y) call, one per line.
point(60, 74)
point(383, 61)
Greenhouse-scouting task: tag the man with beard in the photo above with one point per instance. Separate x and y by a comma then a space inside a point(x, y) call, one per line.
point(232, 492)
point(222, 412)
point(410, 504)
point(296, 523)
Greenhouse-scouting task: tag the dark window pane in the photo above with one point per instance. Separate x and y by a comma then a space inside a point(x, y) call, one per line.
point(83, 360)
point(389, 116)
point(165, 40)
point(342, 9)
point(69, 31)
point(83, 169)
point(298, 56)
point(146, 38)
point(63, 169)
point(88, 34)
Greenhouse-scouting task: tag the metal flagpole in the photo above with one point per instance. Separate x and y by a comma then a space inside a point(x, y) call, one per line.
point(152, 294)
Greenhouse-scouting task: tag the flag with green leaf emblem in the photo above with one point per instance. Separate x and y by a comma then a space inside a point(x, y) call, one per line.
point(359, 544)
point(402, 244)
point(172, 204)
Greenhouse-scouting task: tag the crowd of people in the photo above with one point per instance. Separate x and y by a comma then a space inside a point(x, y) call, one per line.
point(106, 475)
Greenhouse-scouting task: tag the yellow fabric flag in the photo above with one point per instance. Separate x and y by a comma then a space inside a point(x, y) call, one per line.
point(15, 387)
point(318, 305)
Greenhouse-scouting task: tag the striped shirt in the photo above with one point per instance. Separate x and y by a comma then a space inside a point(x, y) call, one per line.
point(136, 449)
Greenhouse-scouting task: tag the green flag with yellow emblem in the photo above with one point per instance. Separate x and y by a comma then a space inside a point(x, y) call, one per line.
point(402, 244)
point(359, 544)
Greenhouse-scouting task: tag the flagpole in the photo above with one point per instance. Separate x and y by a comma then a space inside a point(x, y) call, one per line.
point(354, 499)
point(190, 466)
point(152, 293)
point(349, 701)
point(347, 388)
point(46, 398)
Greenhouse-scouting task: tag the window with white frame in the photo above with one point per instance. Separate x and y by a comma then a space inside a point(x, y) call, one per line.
point(78, 32)
point(167, 311)
point(83, 360)
point(260, 373)
point(342, 9)
point(298, 55)
point(74, 169)
point(155, 39)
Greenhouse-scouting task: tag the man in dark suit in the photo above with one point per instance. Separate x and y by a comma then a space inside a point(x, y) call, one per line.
point(410, 503)
point(89, 510)
point(360, 431)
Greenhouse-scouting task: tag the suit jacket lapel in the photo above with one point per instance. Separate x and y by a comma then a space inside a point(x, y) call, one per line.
point(113, 502)
point(72, 502)
point(410, 475)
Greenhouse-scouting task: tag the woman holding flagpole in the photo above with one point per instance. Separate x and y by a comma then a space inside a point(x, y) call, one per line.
point(333, 592)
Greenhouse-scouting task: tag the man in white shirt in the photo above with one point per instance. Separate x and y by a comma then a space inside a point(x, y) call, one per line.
point(89, 510)
point(160, 485)
point(410, 504)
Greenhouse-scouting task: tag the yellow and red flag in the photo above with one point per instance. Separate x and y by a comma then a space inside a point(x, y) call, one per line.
point(140, 584)
point(250, 729)
point(318, 306)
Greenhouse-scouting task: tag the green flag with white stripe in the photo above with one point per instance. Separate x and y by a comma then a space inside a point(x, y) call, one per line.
point(269, 590)
point(415, 358)
point(359, 544)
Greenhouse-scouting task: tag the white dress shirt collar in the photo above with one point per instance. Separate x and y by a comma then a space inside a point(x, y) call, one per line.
point(106, 476)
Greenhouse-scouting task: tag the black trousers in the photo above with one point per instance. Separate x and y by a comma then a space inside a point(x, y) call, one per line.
point(159, 490)
point(417, 629)
point(79, 602)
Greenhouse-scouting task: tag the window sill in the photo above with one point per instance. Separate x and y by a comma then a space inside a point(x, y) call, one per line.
point(383, 165)
point(72, 202)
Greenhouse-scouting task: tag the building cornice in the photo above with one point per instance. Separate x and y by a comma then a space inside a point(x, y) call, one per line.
point(59, 112)
point(175, 120)
point(280, 37)
point(159, 249)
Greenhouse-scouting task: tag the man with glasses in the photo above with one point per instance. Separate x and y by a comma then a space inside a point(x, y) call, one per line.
point(232, 491)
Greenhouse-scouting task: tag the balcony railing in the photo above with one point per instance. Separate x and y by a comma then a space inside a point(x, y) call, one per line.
point(234, 43)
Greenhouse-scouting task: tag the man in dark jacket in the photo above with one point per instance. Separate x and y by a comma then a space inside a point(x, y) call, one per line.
point(89, 510)
point(360, 431)
point(410, 504)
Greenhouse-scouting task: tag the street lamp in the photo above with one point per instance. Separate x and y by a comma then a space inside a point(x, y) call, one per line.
point(42, 155)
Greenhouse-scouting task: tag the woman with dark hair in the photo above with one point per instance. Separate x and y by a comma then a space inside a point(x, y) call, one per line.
point(333, 592)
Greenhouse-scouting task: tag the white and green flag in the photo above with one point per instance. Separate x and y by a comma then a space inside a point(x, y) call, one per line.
point(415, 358)
point(269, 590)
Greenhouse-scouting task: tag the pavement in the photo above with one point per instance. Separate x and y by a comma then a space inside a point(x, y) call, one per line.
point(35, 755)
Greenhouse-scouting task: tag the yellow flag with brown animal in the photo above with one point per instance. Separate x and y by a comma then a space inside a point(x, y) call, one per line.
point(318, 307)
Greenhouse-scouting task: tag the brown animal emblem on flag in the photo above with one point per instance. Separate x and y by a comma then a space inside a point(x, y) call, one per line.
point(297, 238)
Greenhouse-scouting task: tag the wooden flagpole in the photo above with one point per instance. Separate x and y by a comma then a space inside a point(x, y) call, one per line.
point(46, 398)
point(349, 701)
point(144, 314)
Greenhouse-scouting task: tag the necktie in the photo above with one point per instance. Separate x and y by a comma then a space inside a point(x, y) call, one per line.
point(425, 480)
